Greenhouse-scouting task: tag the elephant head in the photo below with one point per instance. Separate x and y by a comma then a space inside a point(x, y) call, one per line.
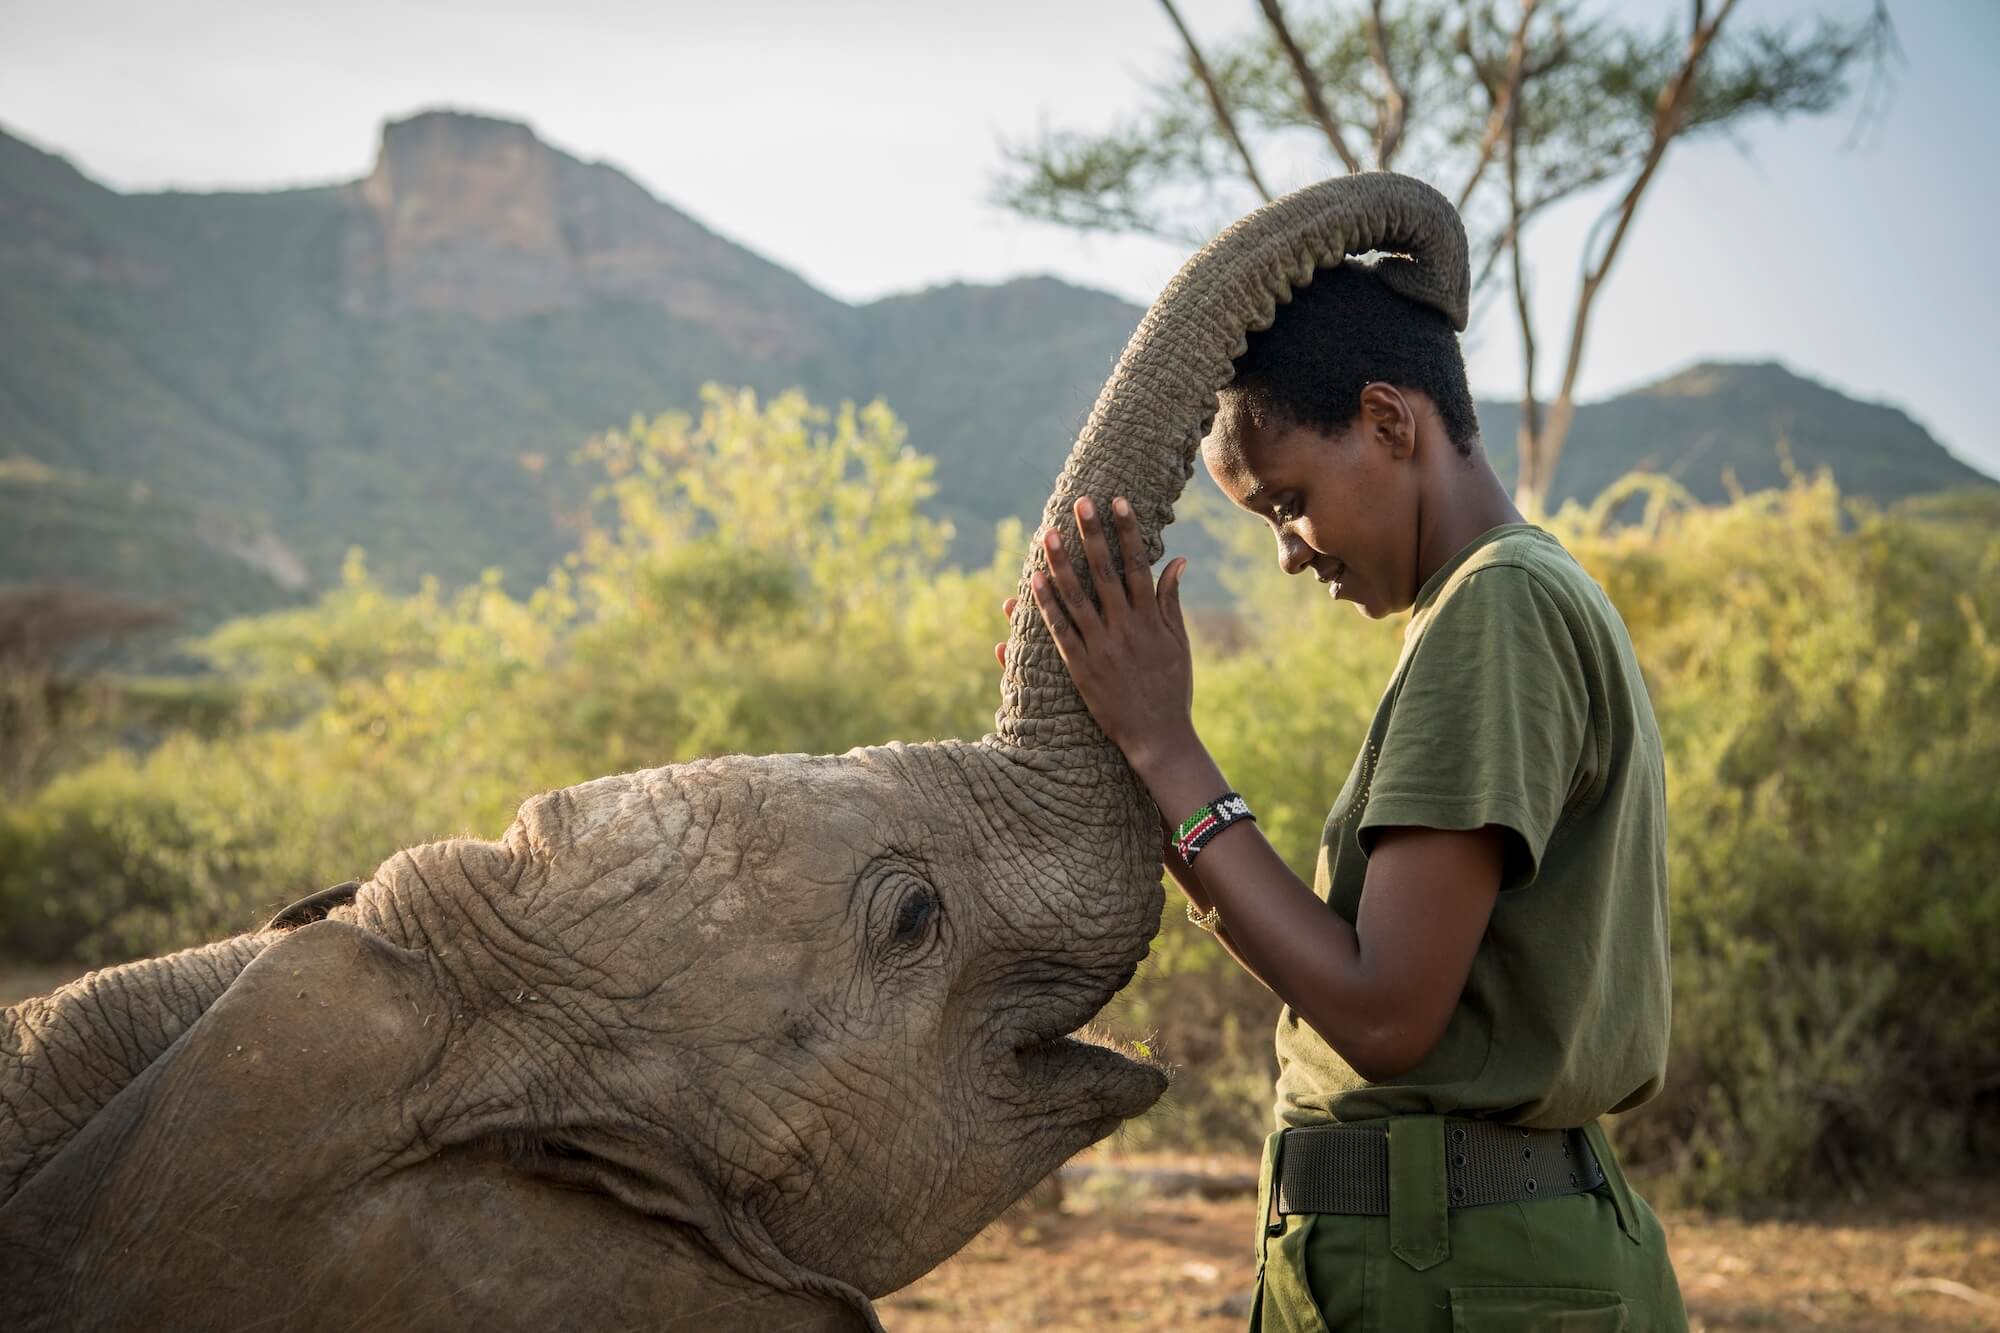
point(736, 1043)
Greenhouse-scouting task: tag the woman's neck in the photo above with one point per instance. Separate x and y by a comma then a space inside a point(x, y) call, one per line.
point(1462, 498)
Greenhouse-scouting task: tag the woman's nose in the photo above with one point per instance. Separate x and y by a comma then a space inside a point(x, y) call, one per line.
point(1293, 554)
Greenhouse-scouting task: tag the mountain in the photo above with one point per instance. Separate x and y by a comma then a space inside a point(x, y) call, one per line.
point(394, 362)
point(1714, 421)
point(470, 215)
point(207, 399)
point(995, 382)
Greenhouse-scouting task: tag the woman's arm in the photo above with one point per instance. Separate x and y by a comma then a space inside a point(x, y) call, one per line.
point(1197, 893)
point(1381, 991)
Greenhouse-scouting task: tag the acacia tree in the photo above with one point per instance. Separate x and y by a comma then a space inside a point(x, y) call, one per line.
point(1510, 109)
point(46, 678)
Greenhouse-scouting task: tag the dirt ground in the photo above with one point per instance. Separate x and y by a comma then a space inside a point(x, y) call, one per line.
point(1121, 1251)
point(1114, 1256)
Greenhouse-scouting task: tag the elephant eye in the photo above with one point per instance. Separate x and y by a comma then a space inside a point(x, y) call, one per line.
point(913, 915)
point(905, 917)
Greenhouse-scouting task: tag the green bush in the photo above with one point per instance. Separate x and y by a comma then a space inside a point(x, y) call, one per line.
point(106, 865)
point(1829, 695)
point(752, 576)
point(1826, 677)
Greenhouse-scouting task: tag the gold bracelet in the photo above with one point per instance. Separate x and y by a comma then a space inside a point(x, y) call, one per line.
point(1206, 920)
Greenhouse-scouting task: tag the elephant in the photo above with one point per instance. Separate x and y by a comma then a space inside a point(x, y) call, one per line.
point(738, 1043)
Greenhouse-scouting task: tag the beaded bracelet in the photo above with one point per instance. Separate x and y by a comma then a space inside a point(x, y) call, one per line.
point(1199, 828)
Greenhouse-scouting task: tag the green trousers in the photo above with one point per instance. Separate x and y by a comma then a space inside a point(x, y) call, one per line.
point(1581, 1263)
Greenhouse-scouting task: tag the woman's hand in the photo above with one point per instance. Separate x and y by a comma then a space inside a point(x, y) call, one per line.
point(1000, 648)
point(1169, 849)
point(1129, 654)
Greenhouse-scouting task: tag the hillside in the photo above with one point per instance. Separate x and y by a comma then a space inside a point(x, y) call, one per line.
point(405, 362)
point(371, 363)
point(1715, 420)
point(206, 399)
point(68, 529)
point(995, 382)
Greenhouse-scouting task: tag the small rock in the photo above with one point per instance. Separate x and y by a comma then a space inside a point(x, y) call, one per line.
point(1234, 1307)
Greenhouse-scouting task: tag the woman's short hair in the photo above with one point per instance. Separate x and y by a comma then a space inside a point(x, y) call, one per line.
point(1342, 331)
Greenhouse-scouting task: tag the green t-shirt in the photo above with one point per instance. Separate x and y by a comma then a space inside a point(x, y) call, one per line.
point(1517, 702)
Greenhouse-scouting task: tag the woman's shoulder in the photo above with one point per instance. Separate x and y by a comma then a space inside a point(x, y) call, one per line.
point(1526, 563)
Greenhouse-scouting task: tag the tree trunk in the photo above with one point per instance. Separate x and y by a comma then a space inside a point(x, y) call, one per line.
point(1542, 449)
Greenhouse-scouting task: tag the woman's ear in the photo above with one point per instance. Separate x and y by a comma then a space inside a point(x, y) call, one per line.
point(1391, 418)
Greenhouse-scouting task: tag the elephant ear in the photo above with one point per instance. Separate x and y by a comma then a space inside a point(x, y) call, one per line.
point(292, 1084)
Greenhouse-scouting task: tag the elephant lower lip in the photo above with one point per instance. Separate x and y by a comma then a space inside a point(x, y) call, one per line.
point(1077, 1063)
point(1111, 1078)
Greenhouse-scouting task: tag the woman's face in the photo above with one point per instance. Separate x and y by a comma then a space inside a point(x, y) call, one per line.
point(1343, 506)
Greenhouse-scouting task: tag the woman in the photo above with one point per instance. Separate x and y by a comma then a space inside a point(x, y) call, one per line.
point(1479, 969)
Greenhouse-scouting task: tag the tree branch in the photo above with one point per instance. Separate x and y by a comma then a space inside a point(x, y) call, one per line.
point(1215, 100)
point(1528, 433)
point(1501, 94)
point(1389, 122)
point(1309, 86)
point(1668, 120)
point(1505, 236)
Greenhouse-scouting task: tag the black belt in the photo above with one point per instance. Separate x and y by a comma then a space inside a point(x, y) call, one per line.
point(1345, 1168)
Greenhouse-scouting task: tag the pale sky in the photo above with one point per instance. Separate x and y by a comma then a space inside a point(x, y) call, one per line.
point(854, 141)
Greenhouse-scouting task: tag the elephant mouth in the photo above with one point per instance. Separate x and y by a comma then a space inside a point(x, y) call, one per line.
point(1076, 1060)
point(1112, 1080)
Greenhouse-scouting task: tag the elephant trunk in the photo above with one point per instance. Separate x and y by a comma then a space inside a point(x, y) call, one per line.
point(1084, 808)
point(64, 1056)
point(1141, 438)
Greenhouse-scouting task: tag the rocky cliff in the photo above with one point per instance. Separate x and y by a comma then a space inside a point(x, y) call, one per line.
point(476, 215)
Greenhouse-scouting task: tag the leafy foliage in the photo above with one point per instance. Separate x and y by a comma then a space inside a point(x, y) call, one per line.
point(1559, 100)
point(763, 577)
point(747, 580)
point(1827, 683)
point(1592, 85)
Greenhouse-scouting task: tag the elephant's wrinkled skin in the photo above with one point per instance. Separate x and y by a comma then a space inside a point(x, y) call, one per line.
point(724, 995)
point(736, 1044)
